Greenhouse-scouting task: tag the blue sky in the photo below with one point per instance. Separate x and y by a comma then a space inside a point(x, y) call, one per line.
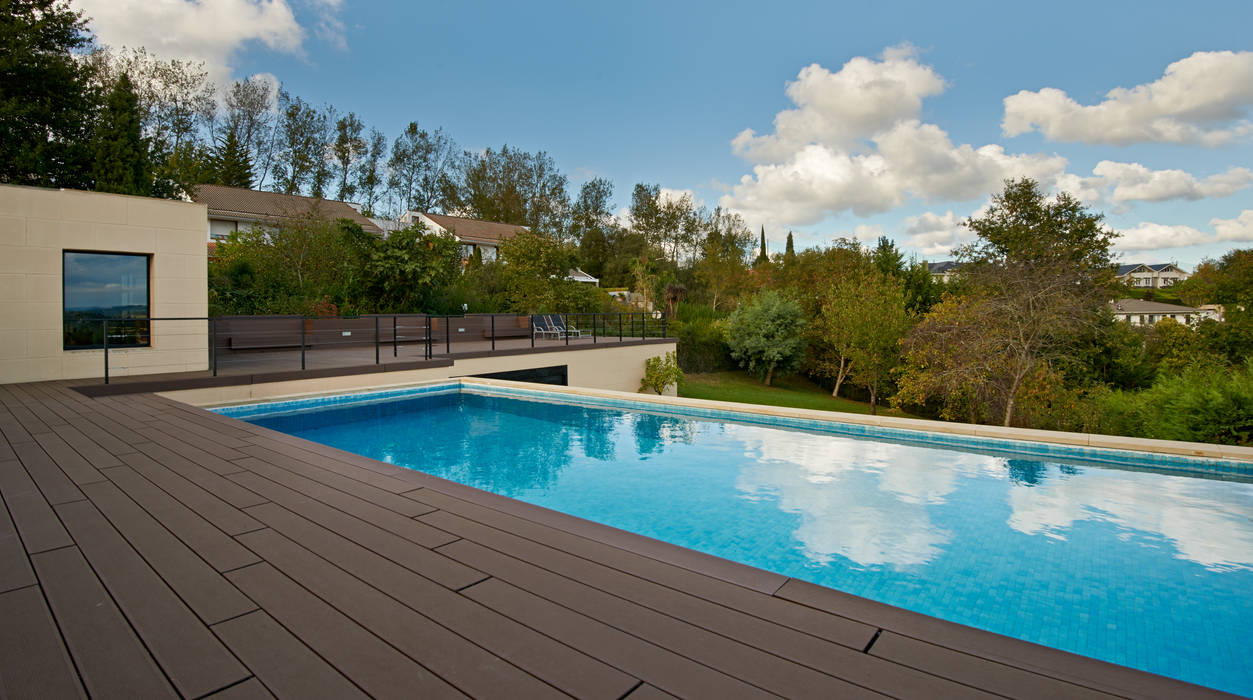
point(899, 125)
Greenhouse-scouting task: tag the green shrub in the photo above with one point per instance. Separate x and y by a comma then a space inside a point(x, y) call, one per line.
point(1205, 403)
point(660, 372)
point(701, 345)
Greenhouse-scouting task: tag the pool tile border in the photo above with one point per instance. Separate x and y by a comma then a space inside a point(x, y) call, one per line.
point(1157, 455)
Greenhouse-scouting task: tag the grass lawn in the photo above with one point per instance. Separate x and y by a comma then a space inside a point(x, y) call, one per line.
point(793, 391)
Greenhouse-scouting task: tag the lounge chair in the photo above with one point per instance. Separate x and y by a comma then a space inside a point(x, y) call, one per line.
point(559, 323)
point(543, 327)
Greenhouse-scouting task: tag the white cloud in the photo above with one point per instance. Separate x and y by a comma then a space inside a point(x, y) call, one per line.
point(867, 233)
point(1151, 236)
point(1201, 99)
point(862, 98)
point(854, 143)
point(665, 195)
point(1237, 229)
point(211, 31)
point(936, 234)
point(1130, 182)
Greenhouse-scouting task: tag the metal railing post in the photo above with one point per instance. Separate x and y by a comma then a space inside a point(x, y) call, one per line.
point(594, 318)
point(302, 342)
point(619, 326)
point(376, 340)
point(493, 332)
point(395, 341)
point(664, 321)
point(531, 320)
point(427, 343)
point(105, 329)
point(447, 335)
point(213, 350)
point(565, 323)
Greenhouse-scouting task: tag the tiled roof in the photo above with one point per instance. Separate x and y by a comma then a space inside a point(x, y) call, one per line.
point(941, 267)
point(474, 230)
point(255, 205)
point(1155, 267)
point(1127, 269)
point(1140, 306)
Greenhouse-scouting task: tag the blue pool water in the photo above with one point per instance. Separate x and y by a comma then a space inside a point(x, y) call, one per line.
point(1138, 567)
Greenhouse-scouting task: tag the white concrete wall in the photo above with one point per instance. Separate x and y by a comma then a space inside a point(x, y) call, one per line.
point(37, 225)
point(612, 368)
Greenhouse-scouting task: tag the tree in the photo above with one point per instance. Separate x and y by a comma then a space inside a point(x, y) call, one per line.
point(121, 162)
point(231, 165)
point(762, 257)
point(1038, 274)
point(510, 186)
point(592, 225)
point(660, 373)
point(722, 267)
point(873, 307)
point(347, 150)
point(405, 270)
point(534, 272)
point(419, 168)
point(46, 102)
point(369, 175)
point(249, 112)
point(789, 253)
point(300, 147)
point(766, 335)
point(887, 258)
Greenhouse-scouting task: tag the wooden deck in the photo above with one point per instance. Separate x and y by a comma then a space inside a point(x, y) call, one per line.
point(151, 549)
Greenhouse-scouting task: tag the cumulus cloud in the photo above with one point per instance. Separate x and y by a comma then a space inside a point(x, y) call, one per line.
point(855, 143)
point(1238, 229)
point(211, 31)
point(1202, 99)
point(936, 234)
point(867, 233)
point(1128, 182)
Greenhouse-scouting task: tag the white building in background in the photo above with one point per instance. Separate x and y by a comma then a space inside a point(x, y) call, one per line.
point(1139, 312)
point(1155, 276)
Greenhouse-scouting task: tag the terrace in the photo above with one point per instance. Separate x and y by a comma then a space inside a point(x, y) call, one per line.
point(149, 548)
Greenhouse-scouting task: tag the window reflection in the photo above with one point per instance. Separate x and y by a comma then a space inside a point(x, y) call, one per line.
point(99, 286)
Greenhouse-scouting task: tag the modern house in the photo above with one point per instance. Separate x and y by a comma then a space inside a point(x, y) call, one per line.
point(234, 208)
point(1139, 312)
point(942, 271)
point(1155, 276)
point(473, 234)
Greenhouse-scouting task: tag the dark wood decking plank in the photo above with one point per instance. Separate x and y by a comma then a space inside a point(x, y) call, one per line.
point(101, 437)
point(389, 499)
point(15, 571)
point(306, 450)
point(77, 468)
point(414, 557)
point(52, 482)
point(205, 419)
point(843, 662)
point(295, 454)
point(203, 589)
point(655, 664)
point(217, 548)
point(202, 477)
point(566, 668)
point(195, 661)
point(732, 657)
point(648, 692)
point(28, 420)
point(470, 668)
point(175, 442)
point(33, 660)
point(251, 689)
point(406, 527)
point(1079, 670)
point(989, 675)
point(283, 663)
point(95, 454)
point(101, 419)
point(134, 414)
point(12, 428)
point(372, 664)
point(37, 524)
point(34, 402)
point(823, 625)
point(225, 516)
point(111, 660)
point(165, 430)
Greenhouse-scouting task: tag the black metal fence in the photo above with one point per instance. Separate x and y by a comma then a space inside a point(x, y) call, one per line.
point(272, 343)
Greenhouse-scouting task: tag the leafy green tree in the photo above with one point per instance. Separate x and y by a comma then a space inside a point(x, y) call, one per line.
point(887, 258)
point(789, 253)
point(592, 225)
point(1172, 346)
point(762, 257)
point(249, 112)
point(46, 101)
point(722, 268)
point(406, 270)
point(1039, 274)
point(121, 162)
point(661, 373)
point(347, 149)
point(420, 167)
point(766, 335)
point(369, 172)
point(533, 276)
point(510, 186)
point(299, 156)
point(859, 328)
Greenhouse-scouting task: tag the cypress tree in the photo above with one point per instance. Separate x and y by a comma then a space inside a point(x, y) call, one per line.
point(231, 164)
point(121, 161)
point(762, 257)
point(789, 254)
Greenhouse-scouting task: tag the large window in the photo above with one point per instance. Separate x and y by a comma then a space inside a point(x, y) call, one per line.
point(100, 286)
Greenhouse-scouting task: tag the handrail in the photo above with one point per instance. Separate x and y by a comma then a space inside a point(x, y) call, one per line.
point(555, 326)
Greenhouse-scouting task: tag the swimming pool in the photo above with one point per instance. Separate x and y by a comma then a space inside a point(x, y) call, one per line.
point(1135, 565)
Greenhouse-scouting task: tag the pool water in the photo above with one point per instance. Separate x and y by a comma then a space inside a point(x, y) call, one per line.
point(1137, 567)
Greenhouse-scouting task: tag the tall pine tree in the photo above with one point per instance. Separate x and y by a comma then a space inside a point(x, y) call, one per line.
point(231, 164)
point(762, 257)
point(120, 154)
point(789, 254)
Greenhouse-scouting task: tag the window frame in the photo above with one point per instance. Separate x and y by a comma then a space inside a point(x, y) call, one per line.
point(147, 334)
